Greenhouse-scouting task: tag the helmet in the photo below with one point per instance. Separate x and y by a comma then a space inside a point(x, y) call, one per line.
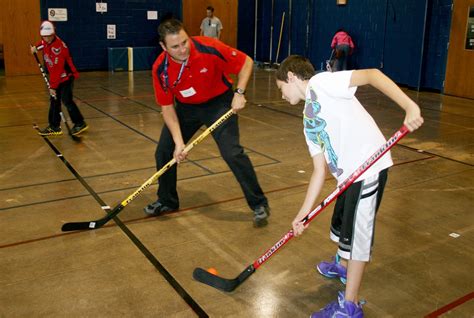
point(46, 28)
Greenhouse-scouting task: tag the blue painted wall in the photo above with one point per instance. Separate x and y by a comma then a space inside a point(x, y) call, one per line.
point(406, 39)
point(436, 42)
point(85, 32)
point(246, 27)
point(301, 15)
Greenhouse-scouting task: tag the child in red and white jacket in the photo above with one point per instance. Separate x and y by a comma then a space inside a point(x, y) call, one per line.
point(62, 73)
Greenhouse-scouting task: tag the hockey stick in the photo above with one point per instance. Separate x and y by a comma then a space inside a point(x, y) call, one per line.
point(328, 62)
point(88, 225)
point(75, 138)
point(229, 285)
point(279, 38)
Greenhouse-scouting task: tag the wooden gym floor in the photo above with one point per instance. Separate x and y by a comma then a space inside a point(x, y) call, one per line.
point(138, 266)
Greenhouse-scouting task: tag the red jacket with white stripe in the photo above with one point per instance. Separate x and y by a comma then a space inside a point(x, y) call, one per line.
point(58, 61)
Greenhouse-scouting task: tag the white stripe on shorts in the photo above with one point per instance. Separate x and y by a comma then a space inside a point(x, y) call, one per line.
point(364, 220)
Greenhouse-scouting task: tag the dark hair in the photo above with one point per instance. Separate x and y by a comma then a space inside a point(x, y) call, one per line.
point(298, 65)
point(170, 26)
point(210, 8)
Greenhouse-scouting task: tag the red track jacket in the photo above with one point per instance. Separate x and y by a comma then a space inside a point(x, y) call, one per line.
point(58, 61)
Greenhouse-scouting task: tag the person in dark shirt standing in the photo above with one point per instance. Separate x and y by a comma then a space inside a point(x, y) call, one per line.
point(194, 72)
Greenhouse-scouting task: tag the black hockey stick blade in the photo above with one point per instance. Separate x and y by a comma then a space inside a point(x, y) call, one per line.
point(90, 225)
point(220, 283)
point(78, 226)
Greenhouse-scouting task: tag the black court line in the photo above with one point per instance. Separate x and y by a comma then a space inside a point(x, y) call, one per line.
point(45, 201)
point(37, 184)
point(171, 280)
point(261, 154)
point(119, 121)
point(105, 175)
point(143, 168)
point(261, 105)
point(398, 145)
point(132, 129)
point(139, 103)
point(91, 117)
point(155, 109)
point(134, 187)
point(195, 162)
point(436, 155)
point(294, 115)
point(126, 171)
point(152, 219)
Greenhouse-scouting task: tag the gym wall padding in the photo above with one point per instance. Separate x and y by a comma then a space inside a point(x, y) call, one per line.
point(406, 39)
point(363, 20)
point(85, 32)
point(246, 26)
point(131, 58)
point(117, 58)
point(144, 57)
point(436, 42)
point(301, 14)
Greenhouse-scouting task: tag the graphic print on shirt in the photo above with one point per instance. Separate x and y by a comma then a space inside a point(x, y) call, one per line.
point(314, 127)
point(48, 60)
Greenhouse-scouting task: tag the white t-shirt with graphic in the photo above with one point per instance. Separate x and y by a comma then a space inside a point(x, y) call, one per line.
point(335, 122)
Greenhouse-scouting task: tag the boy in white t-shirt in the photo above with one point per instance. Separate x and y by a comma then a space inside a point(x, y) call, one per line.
point(341, 135)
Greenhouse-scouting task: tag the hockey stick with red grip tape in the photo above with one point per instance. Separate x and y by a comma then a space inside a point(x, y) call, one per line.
point(75, 138)
point(89, 225)
point(229, 285)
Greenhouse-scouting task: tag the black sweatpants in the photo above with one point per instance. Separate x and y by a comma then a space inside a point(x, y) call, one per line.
point(191, 118)
point(64, 94)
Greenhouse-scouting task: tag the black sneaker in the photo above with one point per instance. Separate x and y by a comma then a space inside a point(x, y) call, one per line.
point(156, 208)
point(260, 215)
point(50, 131)
point(78, 128)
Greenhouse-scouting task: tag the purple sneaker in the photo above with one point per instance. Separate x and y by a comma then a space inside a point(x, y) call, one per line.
point(340, 309)
point(333, 269)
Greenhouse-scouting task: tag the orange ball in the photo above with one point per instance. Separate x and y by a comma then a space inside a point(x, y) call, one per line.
point(212, 270)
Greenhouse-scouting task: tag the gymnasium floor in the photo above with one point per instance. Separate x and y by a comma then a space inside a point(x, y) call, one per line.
point(138, 266)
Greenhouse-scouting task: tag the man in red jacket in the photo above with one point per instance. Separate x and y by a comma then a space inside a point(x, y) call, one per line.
point(62, 73)
point(193, 87)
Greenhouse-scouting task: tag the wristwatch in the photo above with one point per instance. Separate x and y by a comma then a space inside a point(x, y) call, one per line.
point(239, 91)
